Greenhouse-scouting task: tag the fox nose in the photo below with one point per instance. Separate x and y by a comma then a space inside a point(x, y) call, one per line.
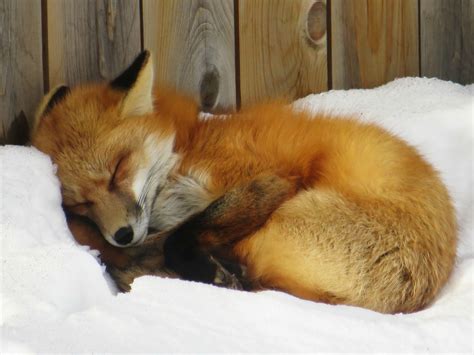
point(124, 235)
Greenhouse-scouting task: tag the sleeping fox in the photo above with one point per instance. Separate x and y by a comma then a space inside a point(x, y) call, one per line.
point(325, 208)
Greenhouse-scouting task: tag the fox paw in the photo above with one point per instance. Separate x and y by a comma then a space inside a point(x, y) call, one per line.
point(121, 278)
point(226, 277)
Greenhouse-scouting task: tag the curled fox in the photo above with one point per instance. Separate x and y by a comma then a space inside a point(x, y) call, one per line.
point(327, 209)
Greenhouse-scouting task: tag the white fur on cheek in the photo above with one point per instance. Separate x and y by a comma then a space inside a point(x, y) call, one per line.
point(180, 199)
point(139, 181)
point(159, 159)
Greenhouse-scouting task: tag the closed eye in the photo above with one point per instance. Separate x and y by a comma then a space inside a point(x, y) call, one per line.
point(79, 208)
point(115, 175)
point(81, 204)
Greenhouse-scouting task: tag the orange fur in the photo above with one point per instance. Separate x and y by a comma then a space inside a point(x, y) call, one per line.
point(370, 223)
point(373, 225)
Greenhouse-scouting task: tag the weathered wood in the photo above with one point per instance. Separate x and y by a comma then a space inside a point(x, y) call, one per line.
point(91, 40)
point(21, 67)
point(283, 49)
point(194, 48)
point(447, 39)
point(373, 42)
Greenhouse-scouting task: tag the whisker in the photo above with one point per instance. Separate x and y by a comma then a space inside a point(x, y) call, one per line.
point(151, 178)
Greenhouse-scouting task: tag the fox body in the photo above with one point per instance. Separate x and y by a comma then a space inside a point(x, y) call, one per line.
point(327, 209)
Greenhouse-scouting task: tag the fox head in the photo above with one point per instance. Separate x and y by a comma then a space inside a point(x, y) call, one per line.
point(111, 152)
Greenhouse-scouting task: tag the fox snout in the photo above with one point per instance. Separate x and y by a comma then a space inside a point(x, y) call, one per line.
point(124, 236)
point(120, 219)
point(128, 233)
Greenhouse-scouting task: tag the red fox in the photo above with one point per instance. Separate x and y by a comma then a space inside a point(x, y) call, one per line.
point(324, 208)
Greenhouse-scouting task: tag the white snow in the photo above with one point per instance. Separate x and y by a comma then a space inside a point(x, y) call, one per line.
point(55, 297)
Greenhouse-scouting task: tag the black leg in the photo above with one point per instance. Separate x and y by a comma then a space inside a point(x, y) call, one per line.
point(233, 216)
point(183, 256)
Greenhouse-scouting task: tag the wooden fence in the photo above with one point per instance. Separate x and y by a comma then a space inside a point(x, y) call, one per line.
point(228, 53)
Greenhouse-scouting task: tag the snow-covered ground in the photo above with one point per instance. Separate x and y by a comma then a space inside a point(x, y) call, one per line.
point(55, 297)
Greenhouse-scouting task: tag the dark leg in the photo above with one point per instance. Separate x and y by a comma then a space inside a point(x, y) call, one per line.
point(235, 215)
point(183, 256)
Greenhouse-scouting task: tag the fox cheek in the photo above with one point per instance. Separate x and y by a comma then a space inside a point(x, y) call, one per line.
point(93, 217)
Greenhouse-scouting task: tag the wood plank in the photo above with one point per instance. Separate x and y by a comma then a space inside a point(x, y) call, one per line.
point(21, 67)
point(194, 48)
point(373, 42)
point(91, 40)
point(447, 39)
point(283, 49)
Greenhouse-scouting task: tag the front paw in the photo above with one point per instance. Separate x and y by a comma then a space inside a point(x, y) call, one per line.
point(191, 266)
point(122, 278)
point(224, 277)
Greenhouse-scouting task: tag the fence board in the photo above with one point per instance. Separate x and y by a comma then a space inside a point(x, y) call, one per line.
point(194, 48)
point(283, 49)
point(373, 42)
point(447, 39)
point(21, 67)
point(90, 40)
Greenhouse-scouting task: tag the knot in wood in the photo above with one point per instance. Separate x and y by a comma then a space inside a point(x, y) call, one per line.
point(209, 88)
point(316, 23)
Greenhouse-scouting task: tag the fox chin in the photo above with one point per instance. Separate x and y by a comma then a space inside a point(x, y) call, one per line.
point(325, 208)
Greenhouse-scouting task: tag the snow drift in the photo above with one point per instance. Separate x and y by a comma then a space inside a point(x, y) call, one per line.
point(56, 297)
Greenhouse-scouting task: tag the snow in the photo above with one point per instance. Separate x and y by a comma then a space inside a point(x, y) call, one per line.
point(56, 297)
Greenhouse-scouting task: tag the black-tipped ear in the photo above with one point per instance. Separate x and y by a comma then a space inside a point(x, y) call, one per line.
point(56, 98)
point(127, 79)
point(52, 98)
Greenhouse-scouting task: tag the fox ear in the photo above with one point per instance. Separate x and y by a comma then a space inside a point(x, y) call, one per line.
point(52, 98)
point(137, 81)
